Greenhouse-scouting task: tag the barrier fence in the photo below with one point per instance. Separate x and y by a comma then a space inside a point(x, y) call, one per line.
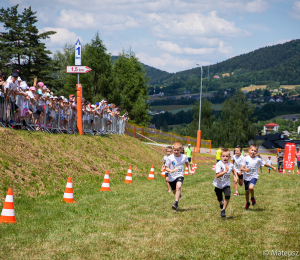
point(158, 136)
point(55, 117)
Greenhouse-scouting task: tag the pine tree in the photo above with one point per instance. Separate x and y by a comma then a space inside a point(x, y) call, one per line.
point(23, 47)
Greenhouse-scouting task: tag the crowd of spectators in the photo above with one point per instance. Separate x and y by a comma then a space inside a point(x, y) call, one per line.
point(21, 105)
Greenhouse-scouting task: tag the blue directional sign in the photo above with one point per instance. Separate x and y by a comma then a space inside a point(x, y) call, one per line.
point(78, 49)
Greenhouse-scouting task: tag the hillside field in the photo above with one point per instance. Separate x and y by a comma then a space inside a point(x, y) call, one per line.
point(133, 221)
point(254, 87)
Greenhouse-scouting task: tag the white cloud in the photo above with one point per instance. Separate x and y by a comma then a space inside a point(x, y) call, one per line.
point(75, 19)
point(195, 24)
point(223, 48)
point(295, 12)
point(173, 47)
point(280, 41)
point(166, 62)
point(61, 37)
point(257, 6)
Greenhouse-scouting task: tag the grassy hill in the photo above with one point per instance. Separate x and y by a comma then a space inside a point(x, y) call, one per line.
point(38, 163)
point(132, 221)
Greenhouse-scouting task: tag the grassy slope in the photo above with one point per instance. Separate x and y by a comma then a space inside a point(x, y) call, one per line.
point(38, 163)
point(135, 221)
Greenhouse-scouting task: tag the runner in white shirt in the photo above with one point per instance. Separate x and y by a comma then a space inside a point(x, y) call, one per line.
point(250, 169)
point(175, 165)
point(222, 180)
point(238, 161)
point(169, 150)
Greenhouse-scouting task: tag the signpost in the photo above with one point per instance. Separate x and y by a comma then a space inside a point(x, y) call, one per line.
point(289, 156)
point(78, 69)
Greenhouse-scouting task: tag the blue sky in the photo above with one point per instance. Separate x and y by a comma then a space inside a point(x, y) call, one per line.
point(169, 35)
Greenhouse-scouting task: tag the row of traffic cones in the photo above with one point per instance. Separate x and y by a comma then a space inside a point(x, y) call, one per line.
point(8, 211)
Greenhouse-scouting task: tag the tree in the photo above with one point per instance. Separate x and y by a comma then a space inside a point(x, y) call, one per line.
point(266, 93)
point(23, 47)
point(236, 126)
point(131, 86)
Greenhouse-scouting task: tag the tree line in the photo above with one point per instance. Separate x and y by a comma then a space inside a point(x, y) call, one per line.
point(122, 81)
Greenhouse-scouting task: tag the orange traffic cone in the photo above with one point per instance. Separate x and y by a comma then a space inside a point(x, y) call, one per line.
point(186, 172)
point(68, 195)
point(213, 168)
point(298, 172)
point(105, 185)
point(193, 170)
point(151, 174)
point(196, 165)
point(163, 173)
point(8, 211)
point(128, 178)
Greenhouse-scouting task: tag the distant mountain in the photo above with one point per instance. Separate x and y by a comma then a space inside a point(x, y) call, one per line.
point(278, 63)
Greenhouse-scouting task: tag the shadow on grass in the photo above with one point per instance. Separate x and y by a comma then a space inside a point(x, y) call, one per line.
point(231, 217)
point(258, 209)
point(183, 210)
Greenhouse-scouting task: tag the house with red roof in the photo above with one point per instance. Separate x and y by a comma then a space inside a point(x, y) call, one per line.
point(270, 127)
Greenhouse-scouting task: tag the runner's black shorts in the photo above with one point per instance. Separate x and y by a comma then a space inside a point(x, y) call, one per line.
point(240, 176)
point(166, 174)
point(219, 192)
point(190, 159)
point(173, 183)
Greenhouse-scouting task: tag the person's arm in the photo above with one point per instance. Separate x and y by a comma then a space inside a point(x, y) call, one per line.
point(270, 166)
point(243, 169)
point(169, 170)
point(220, 174)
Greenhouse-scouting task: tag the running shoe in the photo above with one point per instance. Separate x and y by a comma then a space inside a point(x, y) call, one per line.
point(175, 206)
point(236, 194)
point(253, 202)
point(169, 190)
point(247, 205)
point(223, 213)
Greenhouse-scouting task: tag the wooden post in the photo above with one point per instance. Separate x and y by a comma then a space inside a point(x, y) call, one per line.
point(194, 156)
point(155, 135)
point(134, 131)
point(189, 139)
point(198, 140)
point(171, 138)
point(79, 109)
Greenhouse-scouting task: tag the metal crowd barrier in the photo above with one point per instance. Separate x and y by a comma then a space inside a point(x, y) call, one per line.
point(55, 119)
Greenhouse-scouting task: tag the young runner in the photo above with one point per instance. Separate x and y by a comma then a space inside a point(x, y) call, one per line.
point(280, 156)
point(237, 160)
point(188, 152)
point(218, 154)
point(222, 180)
point(269, 161)
point(168, 153)
point(250, 169)
point(175, 165)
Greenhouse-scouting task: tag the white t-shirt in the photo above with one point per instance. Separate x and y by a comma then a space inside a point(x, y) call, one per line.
point(165, 160)
point(269, 162)
point(238, 162)
point(178, 163)
point(252, 164)
point(11, 86)
point(224, 180)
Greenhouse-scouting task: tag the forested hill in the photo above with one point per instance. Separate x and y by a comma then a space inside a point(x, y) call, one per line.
point(278, 63)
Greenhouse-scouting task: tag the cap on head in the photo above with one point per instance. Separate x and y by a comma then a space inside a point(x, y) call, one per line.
point(189, 144)
point(32, 88)
point(41, 84)
point(14, 74)
point(39, 92)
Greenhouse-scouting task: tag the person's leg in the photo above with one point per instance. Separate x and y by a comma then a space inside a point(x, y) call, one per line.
point(247, 194)
point(235, 180)
point(227, 192)
point(251, 188)
point(219, 195)
point(168, 185)
point(178, 191)
point(241, 179)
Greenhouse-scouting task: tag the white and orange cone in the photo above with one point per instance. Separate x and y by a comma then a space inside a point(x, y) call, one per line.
point(298, 172)
point(128, 178)
point(193, 170)
point(213, 168)
point(196, 166)
point(105, 185)
point(68, 195)
point(8, 211)
point(163, 173)
point(151, 174)
point(186, 171)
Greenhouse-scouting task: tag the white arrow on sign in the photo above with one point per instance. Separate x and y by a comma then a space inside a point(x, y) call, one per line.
point(78, 69)
point(78, 53)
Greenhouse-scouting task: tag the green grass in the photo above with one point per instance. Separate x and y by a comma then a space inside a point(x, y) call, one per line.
point(135, 221)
